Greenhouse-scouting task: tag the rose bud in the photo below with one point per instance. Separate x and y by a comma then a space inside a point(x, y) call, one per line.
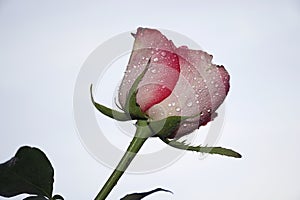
point(177, 81)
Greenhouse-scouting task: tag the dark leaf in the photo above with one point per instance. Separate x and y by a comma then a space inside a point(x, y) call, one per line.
point(36, 198)
point(138, 196)
point(57, 197)
point(29, 171)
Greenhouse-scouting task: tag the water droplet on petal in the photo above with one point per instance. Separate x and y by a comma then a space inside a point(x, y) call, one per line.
point(163, 54)
point(208, 110)
point(189, 104)
point(197, 102)
point(201, 114)
point(169, 105)
point(155, 59)
point(185, 125)
point(177, 109)
point(173, 104)
point(153, 71)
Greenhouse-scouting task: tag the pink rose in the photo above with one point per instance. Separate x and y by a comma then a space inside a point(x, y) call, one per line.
point(178, 81)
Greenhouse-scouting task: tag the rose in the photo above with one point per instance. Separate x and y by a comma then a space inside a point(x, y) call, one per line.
point(171, 92)
point(177, 81)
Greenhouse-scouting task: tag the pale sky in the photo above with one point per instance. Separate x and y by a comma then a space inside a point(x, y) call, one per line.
point(43, 45)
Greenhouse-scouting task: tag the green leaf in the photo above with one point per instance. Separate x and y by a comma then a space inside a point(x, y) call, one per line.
point(57, 197)
point(131, 105)
point(211, 150)
point(36, 198)
point(29, 171)
point(138, 196)
point(108, 111)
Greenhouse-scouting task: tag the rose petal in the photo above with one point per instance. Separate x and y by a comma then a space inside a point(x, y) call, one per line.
point(163, 72)
point(159, 80)
point(201, 88)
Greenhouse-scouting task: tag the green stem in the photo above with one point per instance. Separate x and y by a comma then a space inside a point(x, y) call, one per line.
point(143, 132)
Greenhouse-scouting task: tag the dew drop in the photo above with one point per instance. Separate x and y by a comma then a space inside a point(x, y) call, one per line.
point(169, 105)
point(134, 66)
point(201, 114)
point(153, 71)
point(208, 110)
point(197, 102)
point(155, 59)
point(163, 54)
point(177, 109)
point(185, 125)
point(173, 104)
point(189, 104)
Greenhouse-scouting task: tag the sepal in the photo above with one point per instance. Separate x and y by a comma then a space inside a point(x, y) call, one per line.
point(202, 149)
point(120, 116)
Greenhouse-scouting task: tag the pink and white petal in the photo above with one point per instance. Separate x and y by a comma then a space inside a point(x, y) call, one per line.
point(159, 80)
point(148, 43)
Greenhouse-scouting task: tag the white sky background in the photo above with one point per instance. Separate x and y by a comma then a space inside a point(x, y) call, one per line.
point(43, 45)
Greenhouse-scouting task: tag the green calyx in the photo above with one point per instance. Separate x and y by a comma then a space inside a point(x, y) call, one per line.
point(131, 105)
point(132, 111)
